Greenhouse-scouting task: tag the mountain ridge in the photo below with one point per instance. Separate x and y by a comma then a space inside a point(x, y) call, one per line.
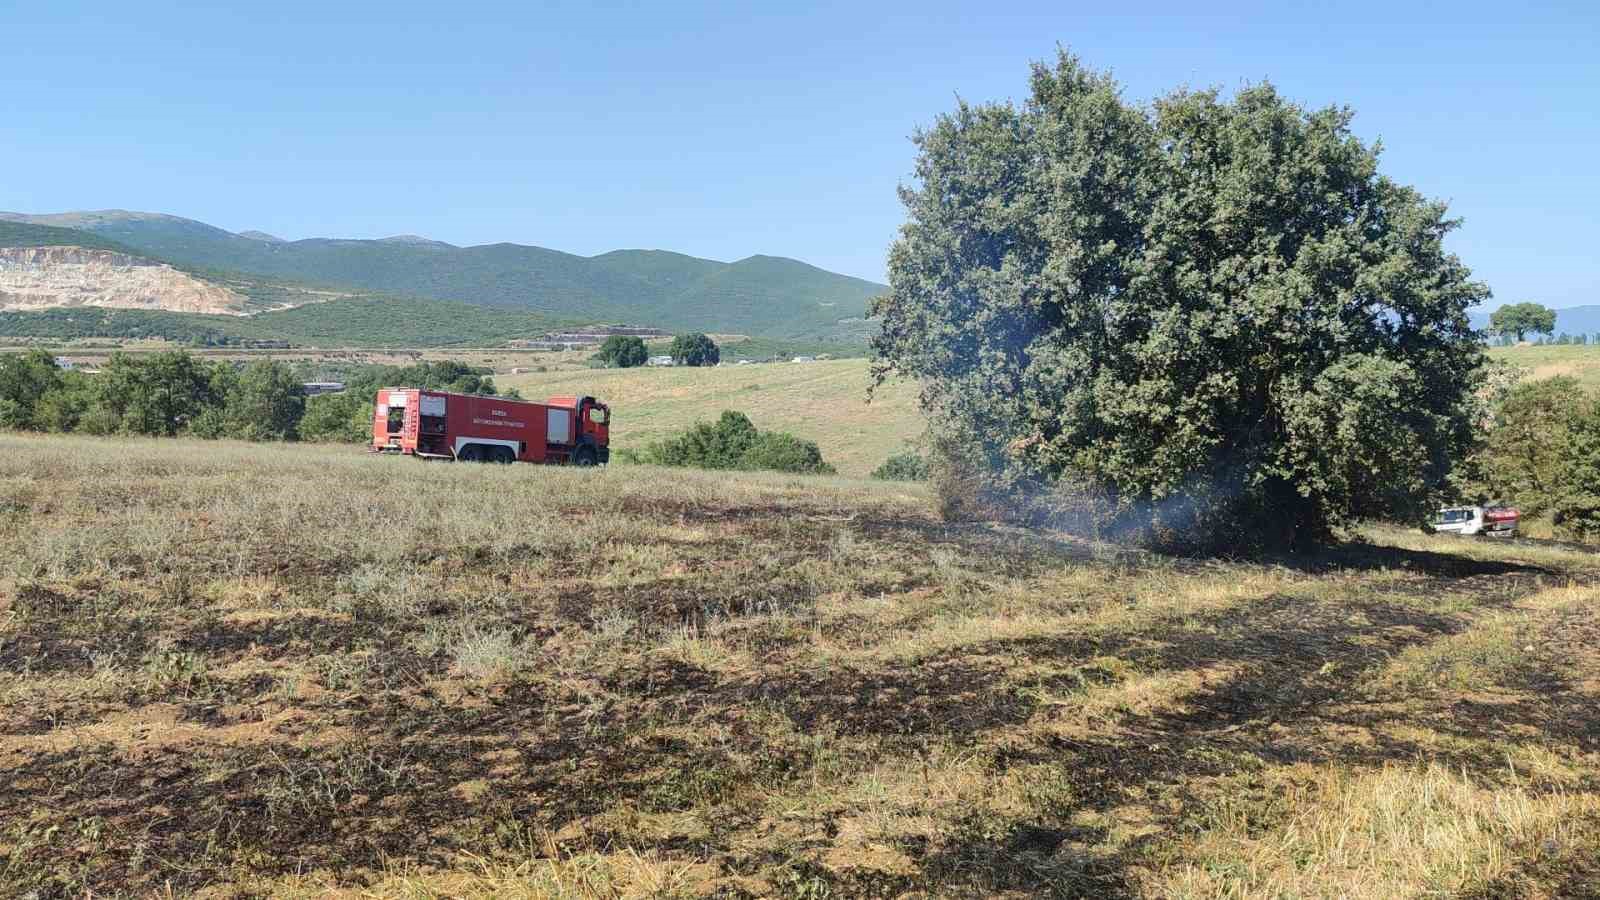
point(761, 294)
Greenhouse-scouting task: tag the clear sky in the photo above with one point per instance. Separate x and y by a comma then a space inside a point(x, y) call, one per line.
point(727, 130)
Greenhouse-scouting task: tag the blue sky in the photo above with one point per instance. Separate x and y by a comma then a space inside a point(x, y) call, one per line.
point(727, 130)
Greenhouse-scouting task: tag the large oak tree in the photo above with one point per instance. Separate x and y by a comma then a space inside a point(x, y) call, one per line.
point(1211, 316)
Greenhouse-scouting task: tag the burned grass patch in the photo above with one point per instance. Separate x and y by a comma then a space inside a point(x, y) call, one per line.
point(735, 685)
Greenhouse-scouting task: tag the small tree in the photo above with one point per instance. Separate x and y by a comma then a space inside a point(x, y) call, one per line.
point(159, 394)
point(24, 379)
point(779, 451)
point(622, 352)
point(266, 402)
point(1577, 510)
point(695, 349)
point(1518, 320)
point(345, 417)
point(903, 467)
point(1523, 452)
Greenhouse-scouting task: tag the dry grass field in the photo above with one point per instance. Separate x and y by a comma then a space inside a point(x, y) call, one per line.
point(232, 670)
point(1580, 362)
point(822, 401)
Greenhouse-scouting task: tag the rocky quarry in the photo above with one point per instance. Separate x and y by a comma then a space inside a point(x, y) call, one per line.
point(33, 278)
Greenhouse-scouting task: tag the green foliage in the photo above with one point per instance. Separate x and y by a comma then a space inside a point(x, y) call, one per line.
point(25, 378)
point(63, 407)
point(1523, 455)
point(1577, 510)
point(154, 394)
point(339, 418)
point(779, 451)
point(734, 442)
point(707, 445)
point(903, 467)
point(173, 392)
point(622, 352)
point(1213, 317)
point(1520, 319)
point(695, 349)
point(21, 234)
point(264, 402)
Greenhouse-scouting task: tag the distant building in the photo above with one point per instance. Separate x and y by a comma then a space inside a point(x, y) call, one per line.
point(660, 361)
point(805, 359)
point(313, 388)
point(64, 364)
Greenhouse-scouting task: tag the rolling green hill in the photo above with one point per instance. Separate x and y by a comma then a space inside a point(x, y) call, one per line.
point(23, 234)
point(762, 295)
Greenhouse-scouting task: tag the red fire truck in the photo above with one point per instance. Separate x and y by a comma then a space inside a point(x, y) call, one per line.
point(467, 427)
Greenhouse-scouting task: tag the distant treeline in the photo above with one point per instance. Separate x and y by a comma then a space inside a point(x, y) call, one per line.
point(176, 393)
point(350, 322)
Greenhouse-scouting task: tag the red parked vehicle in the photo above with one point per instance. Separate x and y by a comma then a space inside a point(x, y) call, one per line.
point(467, 427)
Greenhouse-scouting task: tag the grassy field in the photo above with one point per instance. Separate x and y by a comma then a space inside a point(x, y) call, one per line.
point(233, 670)
point(822, 401)
point(1580, 362)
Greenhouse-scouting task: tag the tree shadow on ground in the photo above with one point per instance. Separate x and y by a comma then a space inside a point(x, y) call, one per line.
point(1295, 672)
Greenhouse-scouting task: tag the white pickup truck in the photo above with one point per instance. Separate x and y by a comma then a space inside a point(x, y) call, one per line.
point(1489, 521)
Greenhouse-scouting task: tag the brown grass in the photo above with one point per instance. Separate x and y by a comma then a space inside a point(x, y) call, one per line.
point(824, 401)
point(231, 670)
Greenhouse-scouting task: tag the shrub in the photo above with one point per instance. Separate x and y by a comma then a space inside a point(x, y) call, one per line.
point(1577, 509)
point(782, 452)
point(733, 442)
point(707, 445)
point(24, 379)
point(903, 467)
point(1526, 448)
point(343, 418)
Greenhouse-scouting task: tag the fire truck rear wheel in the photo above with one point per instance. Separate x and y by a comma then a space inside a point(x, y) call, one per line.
point(584, 457)
point(469, 453)
point(504, 455)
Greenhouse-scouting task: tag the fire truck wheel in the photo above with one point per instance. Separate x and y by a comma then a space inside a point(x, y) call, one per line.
point(584, 456)
point(469, 453)
point(504, 456)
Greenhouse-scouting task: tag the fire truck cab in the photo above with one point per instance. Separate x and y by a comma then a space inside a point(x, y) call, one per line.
point(471, 428)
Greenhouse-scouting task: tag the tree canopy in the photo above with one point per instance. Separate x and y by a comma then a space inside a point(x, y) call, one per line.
point(695, 349)
point(1205, 321)
point(1577, 509)
point(622, 352)
point(1521, 319)
point(1523, 459)
point(174, 392)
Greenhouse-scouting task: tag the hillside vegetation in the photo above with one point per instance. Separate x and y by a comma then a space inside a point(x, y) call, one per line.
point(823, 401)
point(301, 672)
point(762, 295)
point(348, 322)
point(22, 234)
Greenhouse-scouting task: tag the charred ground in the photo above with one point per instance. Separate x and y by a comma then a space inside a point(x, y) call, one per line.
point(248, 671)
